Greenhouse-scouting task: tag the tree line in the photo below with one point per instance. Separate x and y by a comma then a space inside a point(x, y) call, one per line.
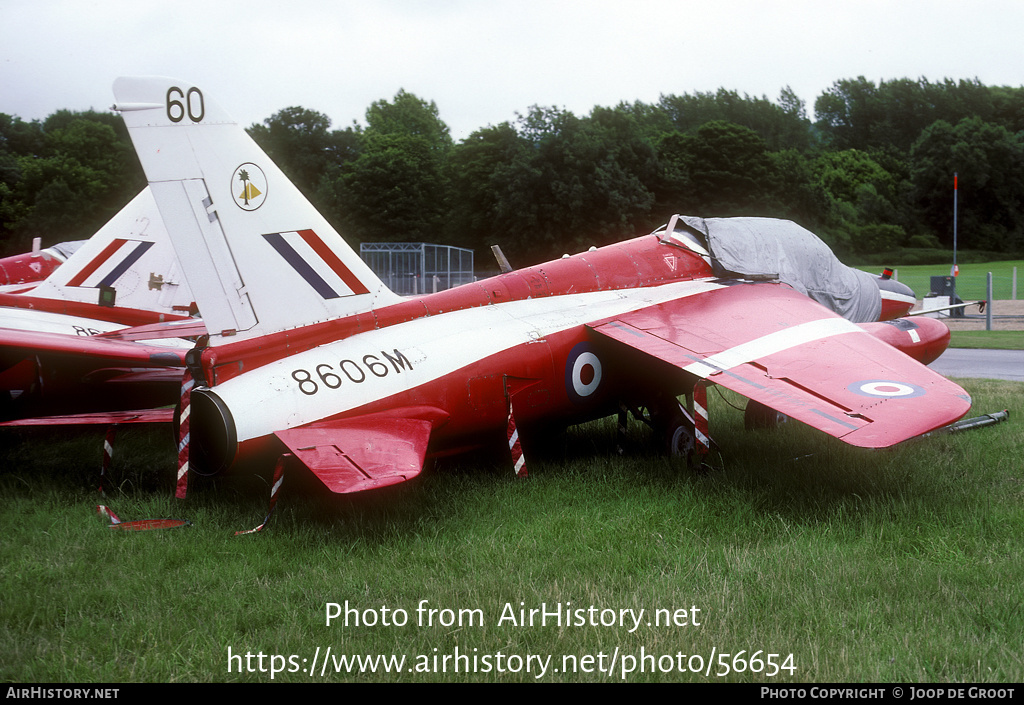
point(871, 173)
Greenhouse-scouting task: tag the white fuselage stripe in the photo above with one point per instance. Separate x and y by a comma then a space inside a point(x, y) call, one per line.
point(269, 398)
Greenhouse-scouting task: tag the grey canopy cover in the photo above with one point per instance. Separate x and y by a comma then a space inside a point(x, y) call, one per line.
point(768, 248)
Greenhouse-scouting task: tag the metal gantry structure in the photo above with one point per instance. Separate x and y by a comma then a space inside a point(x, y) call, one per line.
point(411, 268)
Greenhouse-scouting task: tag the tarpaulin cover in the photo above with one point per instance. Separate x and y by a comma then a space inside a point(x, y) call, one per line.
point(769, 248)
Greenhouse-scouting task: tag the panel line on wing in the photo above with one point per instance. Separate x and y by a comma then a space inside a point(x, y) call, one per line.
point(833, 419)
point(629, 329)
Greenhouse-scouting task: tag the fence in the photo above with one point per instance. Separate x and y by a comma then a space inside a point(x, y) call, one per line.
point(410, 268)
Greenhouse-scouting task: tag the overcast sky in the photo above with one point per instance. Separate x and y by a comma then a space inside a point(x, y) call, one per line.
point(483, 61)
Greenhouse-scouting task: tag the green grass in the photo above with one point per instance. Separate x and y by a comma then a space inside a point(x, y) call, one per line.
point(971, 284)
point(988, 339)
point(897, 566)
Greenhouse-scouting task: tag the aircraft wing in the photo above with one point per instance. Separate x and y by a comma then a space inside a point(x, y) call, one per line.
point(187, 328)
point(90, 348)
point(777, 347)
point(107, 418)
point(55, 373)
point(365, 452)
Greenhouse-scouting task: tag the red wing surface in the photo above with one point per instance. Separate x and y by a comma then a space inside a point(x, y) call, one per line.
point(105, 418)
point(89, 348)
point(775, 346)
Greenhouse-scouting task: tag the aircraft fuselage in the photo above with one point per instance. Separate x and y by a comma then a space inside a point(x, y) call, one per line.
point(463, 351)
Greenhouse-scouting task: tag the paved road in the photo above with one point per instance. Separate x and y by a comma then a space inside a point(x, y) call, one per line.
point(995, 364)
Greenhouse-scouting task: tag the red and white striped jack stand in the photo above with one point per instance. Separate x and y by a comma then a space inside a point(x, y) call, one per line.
point(108, 453)
point(514, 447)
point(181, 486)
point(275, 490)
point(701, 436)
point(700, 419)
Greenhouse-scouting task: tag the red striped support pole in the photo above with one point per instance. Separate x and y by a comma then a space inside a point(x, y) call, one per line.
point(700, 419)
point(183, 435)
point(514, 447)
point(105, 511)
point(275, 490)
point(108, 454)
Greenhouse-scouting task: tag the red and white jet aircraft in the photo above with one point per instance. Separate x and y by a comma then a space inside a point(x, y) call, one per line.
point(309, 354)
point(57, 354)
point(24, 271)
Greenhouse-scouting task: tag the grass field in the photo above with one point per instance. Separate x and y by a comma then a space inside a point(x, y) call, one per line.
point(988, 339)
point(797, 556)
point(971, 284)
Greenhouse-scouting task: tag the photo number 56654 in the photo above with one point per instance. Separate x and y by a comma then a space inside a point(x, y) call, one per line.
point(181, 104)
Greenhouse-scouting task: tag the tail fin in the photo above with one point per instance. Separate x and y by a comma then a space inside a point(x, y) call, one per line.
point(258, 257)
point(129, 263)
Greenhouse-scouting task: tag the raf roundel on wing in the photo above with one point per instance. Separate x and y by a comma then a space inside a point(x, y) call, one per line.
point(886, 389)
